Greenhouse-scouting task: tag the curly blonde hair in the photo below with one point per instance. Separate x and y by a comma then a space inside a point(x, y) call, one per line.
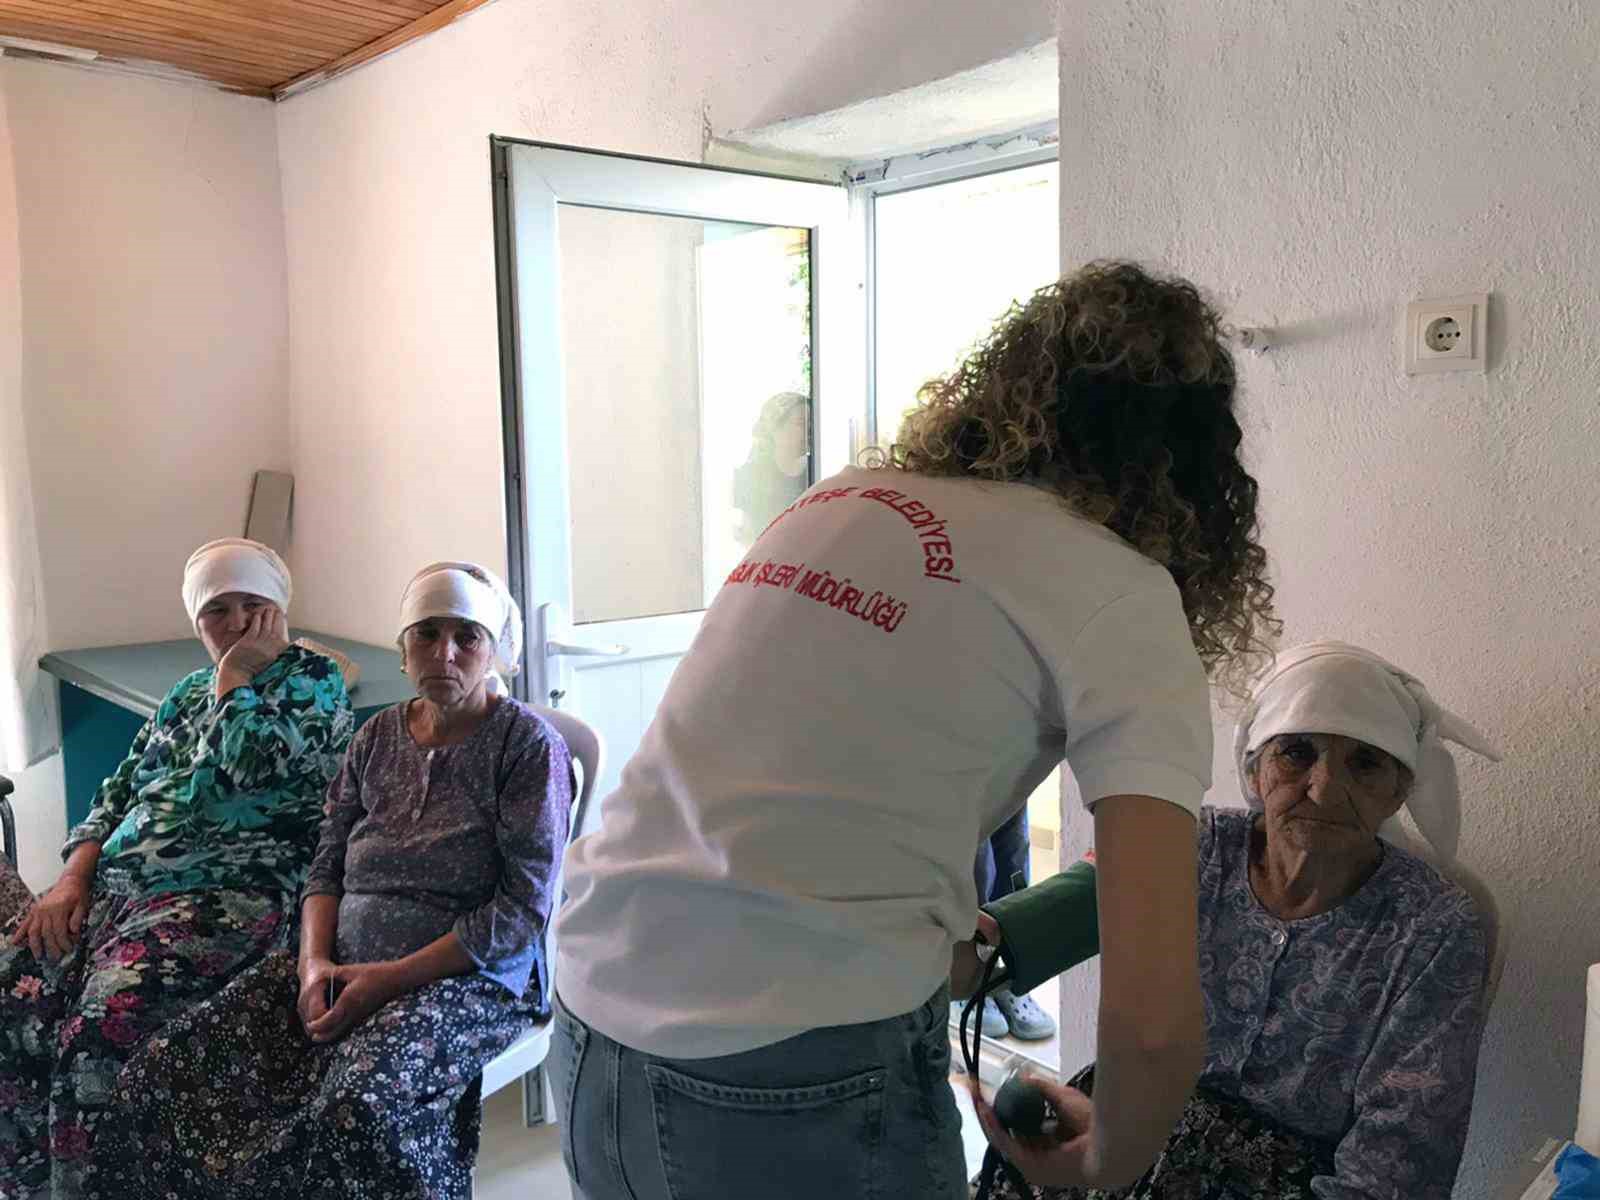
point(1114, 387)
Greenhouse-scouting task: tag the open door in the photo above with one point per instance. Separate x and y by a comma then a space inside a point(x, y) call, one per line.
point(660, 353)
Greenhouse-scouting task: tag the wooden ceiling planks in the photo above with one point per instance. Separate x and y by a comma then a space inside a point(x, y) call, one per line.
point(421, 27)
point(262, 47)
point(156, 17)
point(103, 19)
point(233, 75)
point(309, 27)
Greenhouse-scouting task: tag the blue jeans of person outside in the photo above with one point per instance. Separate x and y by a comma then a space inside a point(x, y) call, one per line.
point(846, 1112)
point(1002, 858)
point(1000, 869)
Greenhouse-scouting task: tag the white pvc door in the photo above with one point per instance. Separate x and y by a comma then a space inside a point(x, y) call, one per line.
point(660, 325)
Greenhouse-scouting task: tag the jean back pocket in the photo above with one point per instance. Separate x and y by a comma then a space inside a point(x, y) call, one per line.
point(720, 1141)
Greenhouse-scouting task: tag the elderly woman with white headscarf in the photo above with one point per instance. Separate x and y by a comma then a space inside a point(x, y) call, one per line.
point(1343, 976)
point(353, 1070)
point(187, 869)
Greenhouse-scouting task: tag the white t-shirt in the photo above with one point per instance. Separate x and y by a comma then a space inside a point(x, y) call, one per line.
point(894, 668)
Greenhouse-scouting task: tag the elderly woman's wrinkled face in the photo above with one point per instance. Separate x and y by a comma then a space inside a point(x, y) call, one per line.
point(446, 659)
point(224, 619)
point(1322, 791)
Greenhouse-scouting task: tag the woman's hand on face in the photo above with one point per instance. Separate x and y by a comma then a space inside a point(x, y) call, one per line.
point(51, 927)
point(966, 968)
point(266, 637)
point(1059, 1157)
point(363, 988)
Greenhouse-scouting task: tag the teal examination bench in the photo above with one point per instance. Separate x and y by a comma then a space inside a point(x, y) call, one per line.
point(108, 692)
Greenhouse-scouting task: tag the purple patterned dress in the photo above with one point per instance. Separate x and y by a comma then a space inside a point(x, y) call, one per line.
point(1343, 1047)
point(417, 844)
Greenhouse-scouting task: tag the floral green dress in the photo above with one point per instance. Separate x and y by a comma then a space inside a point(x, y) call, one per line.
point(14, 894)
point(206, 830)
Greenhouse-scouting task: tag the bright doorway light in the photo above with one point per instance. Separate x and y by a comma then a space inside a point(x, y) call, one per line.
point(951, 258)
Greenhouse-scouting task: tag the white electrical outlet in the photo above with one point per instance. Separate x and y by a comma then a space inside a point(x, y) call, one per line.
point(1449, 334)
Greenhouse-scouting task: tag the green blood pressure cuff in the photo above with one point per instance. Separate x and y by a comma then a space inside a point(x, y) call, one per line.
point(1048, 928)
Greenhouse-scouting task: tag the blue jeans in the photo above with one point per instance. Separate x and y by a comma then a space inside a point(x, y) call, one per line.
point(1003, 855)
point(839, 1113)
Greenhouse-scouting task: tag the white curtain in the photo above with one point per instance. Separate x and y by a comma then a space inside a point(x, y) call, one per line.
point(27, 710)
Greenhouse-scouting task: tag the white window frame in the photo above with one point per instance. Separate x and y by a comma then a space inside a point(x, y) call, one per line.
point(905, 173)
point(911, 172)
point(532, 382)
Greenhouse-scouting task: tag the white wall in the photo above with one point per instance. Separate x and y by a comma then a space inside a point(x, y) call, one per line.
point(155, 331)
point(1318, 166)
point(22, 626)
point(154, 349)
point(395, 411)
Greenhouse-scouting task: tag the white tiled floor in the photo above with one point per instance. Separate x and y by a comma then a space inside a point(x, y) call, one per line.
point(515, 1163)
point(972, 1139)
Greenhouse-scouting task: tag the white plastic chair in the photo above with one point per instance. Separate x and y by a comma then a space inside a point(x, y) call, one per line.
point(8, 828)
point(1458, 872)
point(523, 1058)
point(1489, 910)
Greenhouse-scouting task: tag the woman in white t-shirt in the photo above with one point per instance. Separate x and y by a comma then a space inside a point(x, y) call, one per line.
point(754, 964)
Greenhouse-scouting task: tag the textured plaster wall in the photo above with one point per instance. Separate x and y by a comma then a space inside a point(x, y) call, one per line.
point(395, 372)
point(154, 333)
point(997, 97)
point(1317, 166)
point(155, 357)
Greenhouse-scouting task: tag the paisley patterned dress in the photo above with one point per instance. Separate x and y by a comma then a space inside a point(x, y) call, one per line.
point(1343, 1047)
point(1220, 1150)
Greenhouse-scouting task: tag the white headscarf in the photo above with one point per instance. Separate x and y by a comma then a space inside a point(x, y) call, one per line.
point(1335, 688)
point(467, 592)
point(234, 565)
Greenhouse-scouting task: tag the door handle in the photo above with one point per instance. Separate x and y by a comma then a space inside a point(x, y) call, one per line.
point(568, 650)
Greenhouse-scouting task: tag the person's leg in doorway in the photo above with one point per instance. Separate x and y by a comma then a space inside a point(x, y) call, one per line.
point(846, 1111)
point(1008, 849)
point(1000, 858)
point(983, 874)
